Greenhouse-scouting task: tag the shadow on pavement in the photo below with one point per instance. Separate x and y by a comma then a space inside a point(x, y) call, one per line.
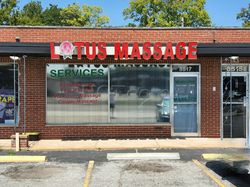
point(234, 172)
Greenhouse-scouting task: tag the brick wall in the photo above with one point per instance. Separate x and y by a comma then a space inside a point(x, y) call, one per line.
point(36, 67)
point(40, 34)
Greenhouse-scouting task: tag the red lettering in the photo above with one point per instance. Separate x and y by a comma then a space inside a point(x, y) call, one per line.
point(90, 56)
point(146, 51)
point(79, 46)
point(169, 51)
point(157, 51)
point(52, 51)
point(192, 50)
point(180, 50)
point(135, 51)
point(121, 53)
point(102, 50)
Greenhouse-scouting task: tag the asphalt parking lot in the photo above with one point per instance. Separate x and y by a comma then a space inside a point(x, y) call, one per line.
point(148, 174)
point(42, 175)
point(111, 174)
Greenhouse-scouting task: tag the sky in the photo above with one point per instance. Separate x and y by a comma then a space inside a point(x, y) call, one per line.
point(222, 12)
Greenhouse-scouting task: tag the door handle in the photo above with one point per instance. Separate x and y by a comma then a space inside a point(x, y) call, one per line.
point(245, 101)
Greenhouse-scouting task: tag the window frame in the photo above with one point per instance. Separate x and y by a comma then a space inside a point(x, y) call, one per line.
point(17, 90)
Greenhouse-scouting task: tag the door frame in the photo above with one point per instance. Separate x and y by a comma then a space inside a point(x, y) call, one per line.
point(237, 74)
point(185, 74)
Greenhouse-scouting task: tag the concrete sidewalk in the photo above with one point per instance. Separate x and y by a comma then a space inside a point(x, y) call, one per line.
point(114, 144)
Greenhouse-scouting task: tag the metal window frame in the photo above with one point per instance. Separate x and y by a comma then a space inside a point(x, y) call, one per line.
point(239, 74)
point(186, 74)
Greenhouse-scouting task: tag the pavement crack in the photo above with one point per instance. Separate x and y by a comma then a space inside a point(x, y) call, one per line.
point(120, 178)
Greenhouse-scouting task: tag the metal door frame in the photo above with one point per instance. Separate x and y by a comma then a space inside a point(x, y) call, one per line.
point(237, 74)
point(185, 74)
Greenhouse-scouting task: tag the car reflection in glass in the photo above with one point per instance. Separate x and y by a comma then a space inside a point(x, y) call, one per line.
point(163, 110)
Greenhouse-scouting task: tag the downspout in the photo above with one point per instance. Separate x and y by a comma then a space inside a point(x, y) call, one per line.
point(231, 99)
point(14, 91)
point(24, 93)
point(221, 102)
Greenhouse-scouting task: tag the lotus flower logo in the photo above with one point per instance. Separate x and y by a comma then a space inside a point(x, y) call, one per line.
point(66, 49)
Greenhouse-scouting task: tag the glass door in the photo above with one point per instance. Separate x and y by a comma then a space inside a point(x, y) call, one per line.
point(185, 104)
point(235, 91)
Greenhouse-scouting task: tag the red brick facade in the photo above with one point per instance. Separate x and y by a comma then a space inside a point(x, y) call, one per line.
point(50, 34)
point(210, 75)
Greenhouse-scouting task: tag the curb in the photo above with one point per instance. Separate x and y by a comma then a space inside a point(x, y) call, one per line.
point(7, 159)
point(122, 148)
point(228, 157)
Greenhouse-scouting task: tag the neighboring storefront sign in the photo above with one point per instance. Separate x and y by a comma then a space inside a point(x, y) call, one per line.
point(6, 108)
point(124, 51)
point(8, 94)
point(234, 68)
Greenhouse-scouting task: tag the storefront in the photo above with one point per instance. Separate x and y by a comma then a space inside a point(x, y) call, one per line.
point(124, 83)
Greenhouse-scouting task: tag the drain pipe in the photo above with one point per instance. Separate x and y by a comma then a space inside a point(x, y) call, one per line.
point(231, 99)
point(221, 104)
point(17, 134)
point(14, 90)
point(24, 93)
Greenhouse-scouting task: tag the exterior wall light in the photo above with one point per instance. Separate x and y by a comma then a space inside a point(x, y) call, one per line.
point(234, 58)
point(14, 58)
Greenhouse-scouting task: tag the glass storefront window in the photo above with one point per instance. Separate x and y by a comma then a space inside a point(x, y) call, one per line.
point(77, 94)
point(8, 94)
point(185, 104)
point(82, 94)
point(139, 93)
point(234, 102)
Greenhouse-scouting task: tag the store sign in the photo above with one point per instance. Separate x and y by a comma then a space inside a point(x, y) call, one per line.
point(234, 68)
point(6, 108)
point(73, 73)
point(66, 49)
point(185, 68)
point(125, 51)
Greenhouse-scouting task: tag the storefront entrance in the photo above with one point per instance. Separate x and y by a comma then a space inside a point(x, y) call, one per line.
point(185, 102)
point(235, 110)
point(235, 101)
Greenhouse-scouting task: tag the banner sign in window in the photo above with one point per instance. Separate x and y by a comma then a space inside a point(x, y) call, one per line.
point(117, 93)
point(76, 94)
point(7, 108)
point(8, 94)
